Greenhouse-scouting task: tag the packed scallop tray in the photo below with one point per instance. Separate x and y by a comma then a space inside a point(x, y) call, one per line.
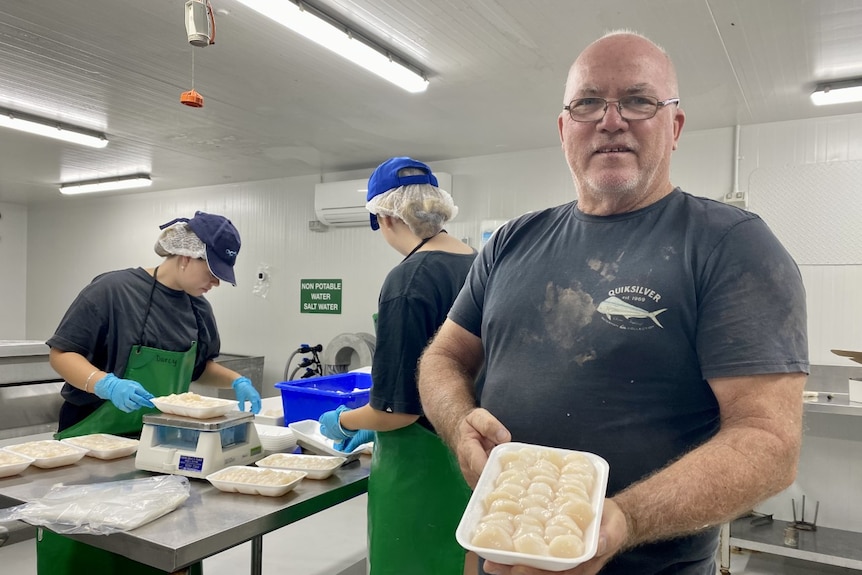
point(255, 480)
point(315, 466)
point(49, 453)
point(104, 445)
point(13, 463)
point(536, 506)
point(191, 404)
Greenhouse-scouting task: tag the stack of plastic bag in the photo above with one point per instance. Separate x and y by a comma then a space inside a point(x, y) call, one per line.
point(103, 508)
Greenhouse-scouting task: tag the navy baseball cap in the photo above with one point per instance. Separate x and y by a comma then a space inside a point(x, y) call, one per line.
point(385, 178)
point(222, 242)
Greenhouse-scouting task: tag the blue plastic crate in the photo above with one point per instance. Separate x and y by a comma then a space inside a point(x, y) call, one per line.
point(310, 398)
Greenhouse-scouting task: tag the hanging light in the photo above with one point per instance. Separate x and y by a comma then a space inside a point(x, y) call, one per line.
point(106, 184)
point(839, 92)
point(50, 129)
point(340, 39)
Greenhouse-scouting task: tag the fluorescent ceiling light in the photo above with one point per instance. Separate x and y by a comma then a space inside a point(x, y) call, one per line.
point(337, 37)
point(57, 130)
point(840, 92)
point(106, 184)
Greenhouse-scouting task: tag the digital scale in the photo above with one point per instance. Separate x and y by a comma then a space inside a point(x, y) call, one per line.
point(181, 445)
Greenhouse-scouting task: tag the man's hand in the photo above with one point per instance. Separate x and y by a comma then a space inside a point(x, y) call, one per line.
point(478, 433)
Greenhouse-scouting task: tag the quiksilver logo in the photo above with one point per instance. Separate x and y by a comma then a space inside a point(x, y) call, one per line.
point(230, 253)
point(626, 311)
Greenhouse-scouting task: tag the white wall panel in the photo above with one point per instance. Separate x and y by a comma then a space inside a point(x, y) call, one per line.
point(13, 270)
point(804, 146)
point(820, 223)
point(834, 309)
point(702, 165)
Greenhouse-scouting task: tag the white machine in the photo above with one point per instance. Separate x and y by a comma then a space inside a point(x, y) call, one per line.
point(182, 445)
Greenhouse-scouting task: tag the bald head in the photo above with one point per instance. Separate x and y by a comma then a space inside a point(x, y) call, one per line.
point(625, 57)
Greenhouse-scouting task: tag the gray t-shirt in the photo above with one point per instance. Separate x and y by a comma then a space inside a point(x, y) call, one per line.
point(105, 321)
point(600, 332)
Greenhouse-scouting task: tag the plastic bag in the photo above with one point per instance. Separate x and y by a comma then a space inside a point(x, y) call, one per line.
point(103, 508)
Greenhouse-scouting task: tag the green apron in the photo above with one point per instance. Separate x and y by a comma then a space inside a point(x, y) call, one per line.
point(416, 495)
point(161, 373)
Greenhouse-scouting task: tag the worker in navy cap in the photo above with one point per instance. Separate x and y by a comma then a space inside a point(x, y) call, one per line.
point(416, 493)
point(134, 334)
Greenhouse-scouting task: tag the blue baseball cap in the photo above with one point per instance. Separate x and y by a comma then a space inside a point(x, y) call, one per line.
point(220, 238)
point(222, 241)
point(385, 178)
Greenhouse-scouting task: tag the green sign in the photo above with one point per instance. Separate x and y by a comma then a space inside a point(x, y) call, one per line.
point(320, 296)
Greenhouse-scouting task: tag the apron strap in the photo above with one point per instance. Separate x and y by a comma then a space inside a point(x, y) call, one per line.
point(149, 305)
point(422, 243)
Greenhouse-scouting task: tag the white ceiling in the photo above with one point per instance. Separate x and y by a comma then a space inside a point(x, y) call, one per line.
point(278, 106)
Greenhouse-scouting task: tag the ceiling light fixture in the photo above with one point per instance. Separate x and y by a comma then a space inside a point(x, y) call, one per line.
point(106, 184)
point(333, 35)
point(57, 130)
point(839, 92)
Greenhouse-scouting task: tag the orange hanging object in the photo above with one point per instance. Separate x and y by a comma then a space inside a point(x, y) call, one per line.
point(192, 98)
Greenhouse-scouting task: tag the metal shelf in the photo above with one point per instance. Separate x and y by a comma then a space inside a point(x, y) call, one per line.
point(840, 404)
point(827, 546)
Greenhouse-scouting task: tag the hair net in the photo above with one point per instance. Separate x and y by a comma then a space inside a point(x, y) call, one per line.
point(423, 207)
point(180, 240)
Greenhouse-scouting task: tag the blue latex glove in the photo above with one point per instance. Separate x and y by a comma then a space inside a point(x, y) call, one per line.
point(330, 425)
point(350, 445)
point(245, 391)
point(126, 394)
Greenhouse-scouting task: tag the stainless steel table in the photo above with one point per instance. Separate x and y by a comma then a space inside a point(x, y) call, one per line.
point(828, 546)
point(209, 522)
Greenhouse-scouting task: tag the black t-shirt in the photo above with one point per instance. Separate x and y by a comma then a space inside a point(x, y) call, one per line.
point(600, 333)
point(105, 321)
point(413, 303)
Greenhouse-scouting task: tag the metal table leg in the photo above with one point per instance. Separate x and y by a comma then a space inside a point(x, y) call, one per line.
point(257, 555)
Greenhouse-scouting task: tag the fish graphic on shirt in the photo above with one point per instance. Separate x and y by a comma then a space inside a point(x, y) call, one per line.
point(616, 306)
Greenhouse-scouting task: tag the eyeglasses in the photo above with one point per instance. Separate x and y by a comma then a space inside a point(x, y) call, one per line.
point(629, 107)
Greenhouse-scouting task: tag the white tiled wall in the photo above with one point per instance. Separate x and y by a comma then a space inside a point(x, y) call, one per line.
point(13, 270)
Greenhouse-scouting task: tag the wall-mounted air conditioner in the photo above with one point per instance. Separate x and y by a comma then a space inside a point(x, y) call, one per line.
point(342, 204)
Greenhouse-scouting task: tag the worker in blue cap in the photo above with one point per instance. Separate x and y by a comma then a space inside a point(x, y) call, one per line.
point(134, 334)
point(416, 493)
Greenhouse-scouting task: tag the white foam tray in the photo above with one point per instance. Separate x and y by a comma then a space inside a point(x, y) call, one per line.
point(475, 511)
point(316, 466)
point(66, 454)
point(293, 478)
point(308, 432)
point(16, 464)
point(104, 445)
point(214, 407)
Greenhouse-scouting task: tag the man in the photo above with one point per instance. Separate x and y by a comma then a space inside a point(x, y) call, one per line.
point(662, 331)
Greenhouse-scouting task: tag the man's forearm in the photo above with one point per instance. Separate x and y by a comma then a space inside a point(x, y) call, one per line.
point(714, 483)
point(447, 393)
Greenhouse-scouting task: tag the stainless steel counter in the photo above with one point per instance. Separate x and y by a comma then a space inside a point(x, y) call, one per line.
point(29, 389)
point(835, 403)
point(25, 361)
point(209, 522)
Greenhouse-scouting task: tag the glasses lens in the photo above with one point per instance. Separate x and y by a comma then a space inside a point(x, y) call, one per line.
point(587, 109)
point(638, 107)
